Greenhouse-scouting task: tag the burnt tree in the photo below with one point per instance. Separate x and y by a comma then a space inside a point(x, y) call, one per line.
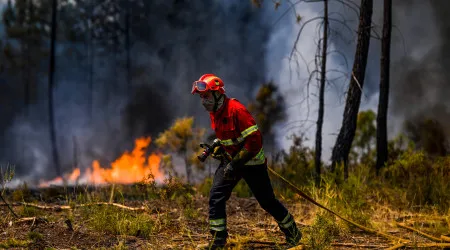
point(323, 68)
point(383, 102)
point(346, 134)
point(128, 47)
point(51, 77)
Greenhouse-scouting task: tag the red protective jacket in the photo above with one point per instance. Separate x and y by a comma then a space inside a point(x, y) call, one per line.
point(236, 128)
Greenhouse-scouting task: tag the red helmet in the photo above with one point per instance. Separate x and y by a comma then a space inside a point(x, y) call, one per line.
point(208, 82)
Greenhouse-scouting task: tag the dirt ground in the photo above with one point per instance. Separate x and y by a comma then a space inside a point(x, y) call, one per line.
point(249, 227)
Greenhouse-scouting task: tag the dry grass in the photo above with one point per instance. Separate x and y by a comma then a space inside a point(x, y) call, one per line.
point(180, 222)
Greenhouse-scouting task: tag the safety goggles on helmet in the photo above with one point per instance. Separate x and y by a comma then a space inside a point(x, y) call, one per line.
point(199, 86)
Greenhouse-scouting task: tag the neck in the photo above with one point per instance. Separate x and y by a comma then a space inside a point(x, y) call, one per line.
point(219, 101)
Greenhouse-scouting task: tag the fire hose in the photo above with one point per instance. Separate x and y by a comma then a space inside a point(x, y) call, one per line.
point(209, 149)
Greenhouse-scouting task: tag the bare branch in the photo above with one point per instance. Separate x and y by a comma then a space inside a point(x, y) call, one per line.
point(359, 85)
point(300, 32)
point(403, 38)
point(377, 35)
point(341, 54)
point(348, 4)
point(342, 91)
point(301, 126)
point(295, 122)
point(344, 24)
point(286, 11)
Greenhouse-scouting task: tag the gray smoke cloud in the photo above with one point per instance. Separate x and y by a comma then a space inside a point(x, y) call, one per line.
point(418, 68)
point(422, 77)
point(184, 41)
point(245, 47)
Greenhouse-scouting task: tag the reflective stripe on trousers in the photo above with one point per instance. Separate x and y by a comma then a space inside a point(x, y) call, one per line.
point(217, 224)
point(286, 222)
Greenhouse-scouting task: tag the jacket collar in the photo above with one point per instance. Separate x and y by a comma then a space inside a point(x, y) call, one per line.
point(221, 109)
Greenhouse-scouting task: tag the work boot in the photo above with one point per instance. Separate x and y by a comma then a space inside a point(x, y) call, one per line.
point(217, 243)
point(293, 235)
point(290, 230)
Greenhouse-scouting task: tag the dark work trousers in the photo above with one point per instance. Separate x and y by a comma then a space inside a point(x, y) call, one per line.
point(257, 178)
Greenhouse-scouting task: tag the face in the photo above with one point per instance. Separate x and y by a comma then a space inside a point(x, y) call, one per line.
point(207, 100)
point(206, 95)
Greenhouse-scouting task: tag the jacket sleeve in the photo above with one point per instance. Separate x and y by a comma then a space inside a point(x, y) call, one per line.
point(249, 131)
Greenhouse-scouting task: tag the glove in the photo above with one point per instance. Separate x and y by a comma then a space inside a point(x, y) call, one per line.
point(229, 172)
point(218, 153)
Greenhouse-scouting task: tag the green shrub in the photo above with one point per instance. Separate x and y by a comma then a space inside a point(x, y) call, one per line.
point(22, 193)
point(425, 180)
point(34, 236)
point(12, 243)
point(27, 211)
point(322, 232)
point(174, 188)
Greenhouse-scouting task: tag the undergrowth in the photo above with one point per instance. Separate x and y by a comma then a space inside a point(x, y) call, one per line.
point(118, 221)
point(322, 232)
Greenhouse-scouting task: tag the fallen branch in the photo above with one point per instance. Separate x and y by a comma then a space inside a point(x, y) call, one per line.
point(445, 238)
point(431, 237)
point(396, 246)
point(336, 244)
point(356, 245)
point(419, 245)
point(428, 217)
point(32, 219)
point(66, 207)
point(425, 245)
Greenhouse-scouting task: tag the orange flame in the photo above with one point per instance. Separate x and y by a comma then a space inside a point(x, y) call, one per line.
point(127, 169)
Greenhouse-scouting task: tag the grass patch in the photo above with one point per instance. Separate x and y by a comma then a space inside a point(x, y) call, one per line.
point(322, 232)
point(34, 236)
point(11, 242)
point(27, 211)
point(190, 213)
point(118, 221)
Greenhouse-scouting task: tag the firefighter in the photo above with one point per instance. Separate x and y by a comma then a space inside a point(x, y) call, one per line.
point(240, 139)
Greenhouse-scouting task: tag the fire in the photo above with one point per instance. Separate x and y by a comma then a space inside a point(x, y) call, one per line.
point(130, 167)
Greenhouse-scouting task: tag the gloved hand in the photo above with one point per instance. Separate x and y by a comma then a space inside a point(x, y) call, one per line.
point(229, 172)
point(218, 153)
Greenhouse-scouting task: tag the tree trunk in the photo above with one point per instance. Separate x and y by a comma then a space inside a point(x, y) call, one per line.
point(127, 48)
point(344, 140)
point(383, 102)
point(28, 43)
point(318, 153)
point(51, 75)
point(91, 64)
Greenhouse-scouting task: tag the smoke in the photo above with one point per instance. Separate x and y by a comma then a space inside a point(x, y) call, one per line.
point(419, 51)
point(246, 46)
point(174, 45)
point(293, 74)
point(422, 77)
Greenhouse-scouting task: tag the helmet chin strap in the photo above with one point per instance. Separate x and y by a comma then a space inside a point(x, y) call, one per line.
point(218, 100)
